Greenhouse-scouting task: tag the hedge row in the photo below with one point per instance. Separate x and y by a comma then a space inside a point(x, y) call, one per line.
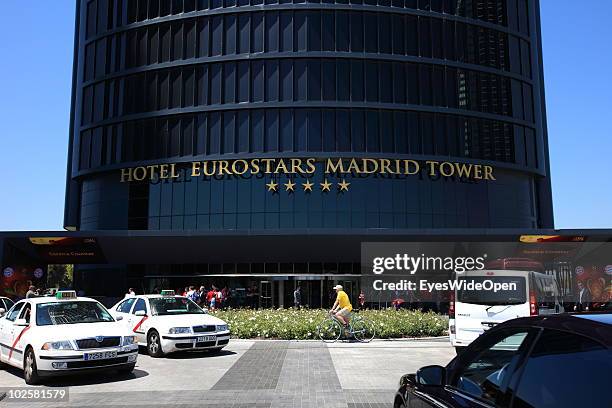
point(292, 324)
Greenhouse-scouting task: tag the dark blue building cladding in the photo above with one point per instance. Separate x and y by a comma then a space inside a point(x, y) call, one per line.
point(177, 81)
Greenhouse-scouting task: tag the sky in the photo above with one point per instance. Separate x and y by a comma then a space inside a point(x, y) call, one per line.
point(36, 45)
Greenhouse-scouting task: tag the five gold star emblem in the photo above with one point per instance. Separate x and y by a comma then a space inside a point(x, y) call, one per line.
point(289, 185)
point(325, 186)
point(344, 185)
point(307, 185)
point(272, 186)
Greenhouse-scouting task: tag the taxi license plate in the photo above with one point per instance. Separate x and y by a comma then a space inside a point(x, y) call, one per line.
point(99, 356)
point(202, 339)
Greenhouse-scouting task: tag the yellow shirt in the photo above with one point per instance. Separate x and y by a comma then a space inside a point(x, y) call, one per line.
point(343, 301)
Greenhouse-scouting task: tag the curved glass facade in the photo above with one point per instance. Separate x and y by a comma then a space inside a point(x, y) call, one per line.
point(181, 81)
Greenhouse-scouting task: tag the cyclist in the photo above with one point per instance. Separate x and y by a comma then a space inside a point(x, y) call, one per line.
point(342, 306)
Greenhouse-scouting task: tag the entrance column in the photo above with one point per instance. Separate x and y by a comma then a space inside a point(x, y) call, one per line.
point(281, 294)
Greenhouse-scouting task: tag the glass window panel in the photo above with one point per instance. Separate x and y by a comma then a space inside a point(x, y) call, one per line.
point(286, 29)
point(217, 35)
point(257, 74)
point(286, 130)
point(386, 131)
point(328, 130)
point(229, 132)
point(400, 134)
point(230, 34)
point(257, 130)
point(386, 82)
point(342, 31)
point(372, 131)
point(371, 32)
point(300, 31)
point(257, 32)
point(300, 130)
point(399, 34)
point(328, 27)
point(314, 80)
point(314, 130)
point(203, 37)
point(272, 131)
point(425, 37)
point(356, 32)
point(357, 130)
point(229, 83)
point(371, 81)
point(300, 80)
point(357, 88)
point(243, 81)
point(329, 79)
point(243, 132)
point(314, 31)
point(272, 26)
point(214, 133)
point(272, 80)
point(343, 79)
point(244, 30)
point(286, 78)
point(215, 83)
point(425, 84)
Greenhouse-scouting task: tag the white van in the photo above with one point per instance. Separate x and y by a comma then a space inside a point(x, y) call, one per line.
point(471, 311)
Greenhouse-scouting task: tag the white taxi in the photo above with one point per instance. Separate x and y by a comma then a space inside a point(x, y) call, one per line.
point(167, 323)
point(64, 334)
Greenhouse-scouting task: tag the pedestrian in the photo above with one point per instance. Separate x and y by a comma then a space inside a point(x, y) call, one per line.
point(226, 295)
point(186, 291)
point(583, 298)
point(213, 301)
point(202, 295)
point(193, 294)
point(210, 296)
point(220, 299)
point(361, 299)
point(297, 297)
point(130, 293)
point(31, 293)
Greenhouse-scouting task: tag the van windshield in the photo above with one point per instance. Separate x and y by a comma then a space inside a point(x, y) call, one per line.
point(514, 296)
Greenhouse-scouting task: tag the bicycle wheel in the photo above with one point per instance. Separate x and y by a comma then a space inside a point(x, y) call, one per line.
point(329, 330)
point(363, 330)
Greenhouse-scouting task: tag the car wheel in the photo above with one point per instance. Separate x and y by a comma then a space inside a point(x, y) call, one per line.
point(30, 372)
point(459, 349)
point(154, 344)
point(127, 369)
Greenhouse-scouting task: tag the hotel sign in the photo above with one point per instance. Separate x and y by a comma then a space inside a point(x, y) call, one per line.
point(307, 167)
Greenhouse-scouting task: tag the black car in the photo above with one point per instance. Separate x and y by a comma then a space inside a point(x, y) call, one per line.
point(559, 361)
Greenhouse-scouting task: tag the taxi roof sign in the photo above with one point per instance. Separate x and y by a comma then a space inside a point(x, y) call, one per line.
point(167, 293)
point(66, 294)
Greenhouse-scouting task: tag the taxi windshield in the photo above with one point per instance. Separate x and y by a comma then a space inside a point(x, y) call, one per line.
point(63, 312)
point(174, 306)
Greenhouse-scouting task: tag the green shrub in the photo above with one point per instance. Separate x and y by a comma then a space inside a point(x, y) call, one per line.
point(292, 324)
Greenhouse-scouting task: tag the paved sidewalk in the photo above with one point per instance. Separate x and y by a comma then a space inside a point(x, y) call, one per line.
point(256, 374)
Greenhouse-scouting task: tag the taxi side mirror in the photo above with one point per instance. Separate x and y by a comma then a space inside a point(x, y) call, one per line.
point(20, 322)
point(119, 318)
point(2, 312)
point(139, 313)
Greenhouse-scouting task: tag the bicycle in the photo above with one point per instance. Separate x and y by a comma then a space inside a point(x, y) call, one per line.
point(330, 329)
